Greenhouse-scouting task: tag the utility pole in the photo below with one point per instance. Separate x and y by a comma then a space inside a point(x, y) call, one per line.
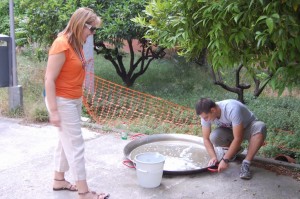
point(14, 90)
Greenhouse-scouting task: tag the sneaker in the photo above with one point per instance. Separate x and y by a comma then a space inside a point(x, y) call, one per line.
point(245, 171)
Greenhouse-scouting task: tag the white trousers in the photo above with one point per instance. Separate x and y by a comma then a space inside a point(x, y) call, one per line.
point(69, 153)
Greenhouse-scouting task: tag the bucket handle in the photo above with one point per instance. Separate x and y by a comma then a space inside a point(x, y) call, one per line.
point(129, 163)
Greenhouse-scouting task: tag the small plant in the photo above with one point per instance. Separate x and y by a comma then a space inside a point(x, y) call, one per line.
point(84, 113)
point(35, 52)
point(16, 113)
point(107, 128)
point(40, 115)
point(4, 101)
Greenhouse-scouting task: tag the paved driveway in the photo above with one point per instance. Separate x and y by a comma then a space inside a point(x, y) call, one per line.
point(26, 171)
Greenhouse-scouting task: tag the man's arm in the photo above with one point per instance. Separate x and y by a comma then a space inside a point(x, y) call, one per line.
point(234, 146)
point(238, 134)
point(208, 145)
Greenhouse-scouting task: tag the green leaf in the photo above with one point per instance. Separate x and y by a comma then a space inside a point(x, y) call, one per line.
point(276, 15)
point(273, 84)
point(260, 18)
point(280, 55)
point(270, 24)
point(280, 90)
point(297, 43)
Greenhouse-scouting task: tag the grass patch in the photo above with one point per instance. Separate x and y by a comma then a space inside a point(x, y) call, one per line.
point(30, 74)
point(179, 82)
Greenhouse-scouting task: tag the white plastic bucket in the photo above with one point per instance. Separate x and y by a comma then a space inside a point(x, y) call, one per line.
point(149, 169)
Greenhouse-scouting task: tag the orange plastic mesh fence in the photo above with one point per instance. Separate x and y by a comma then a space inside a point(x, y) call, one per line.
point(106, 101)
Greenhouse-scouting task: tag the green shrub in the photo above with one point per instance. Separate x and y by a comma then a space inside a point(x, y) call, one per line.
point(16, 113)
point(40, 115)
point(4, 16)
point(283, 122)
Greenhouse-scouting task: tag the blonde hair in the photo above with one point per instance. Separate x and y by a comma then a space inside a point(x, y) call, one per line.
point(76, 24)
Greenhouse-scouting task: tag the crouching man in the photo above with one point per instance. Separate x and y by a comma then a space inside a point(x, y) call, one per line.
point(234, 123)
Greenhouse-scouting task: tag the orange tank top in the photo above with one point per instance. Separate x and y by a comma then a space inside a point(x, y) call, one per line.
point(70, 79)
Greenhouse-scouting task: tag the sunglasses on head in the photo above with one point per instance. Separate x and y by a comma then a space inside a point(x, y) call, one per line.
point(91, 28)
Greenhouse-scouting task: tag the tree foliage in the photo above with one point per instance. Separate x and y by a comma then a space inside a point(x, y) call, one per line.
point(40, 21)
point(4, 16)
point(117, 30)
point(263, 36)
point(43, 20)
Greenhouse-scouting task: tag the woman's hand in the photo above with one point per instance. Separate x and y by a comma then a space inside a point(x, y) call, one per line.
point(55, 118)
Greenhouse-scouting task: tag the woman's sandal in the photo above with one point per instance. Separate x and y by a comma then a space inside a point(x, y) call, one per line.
point(95, 195)
point(68, 187)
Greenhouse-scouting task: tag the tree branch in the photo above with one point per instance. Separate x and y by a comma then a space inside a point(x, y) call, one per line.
point(257, 90)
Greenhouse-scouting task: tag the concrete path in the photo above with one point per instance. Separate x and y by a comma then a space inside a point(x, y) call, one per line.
point(26, 169)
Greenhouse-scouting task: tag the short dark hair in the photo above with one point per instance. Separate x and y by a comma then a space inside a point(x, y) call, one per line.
point(204, 105)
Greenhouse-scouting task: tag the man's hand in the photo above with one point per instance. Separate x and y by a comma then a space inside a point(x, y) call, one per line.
point(222, 166)
point(209, 146)
point(212, 161)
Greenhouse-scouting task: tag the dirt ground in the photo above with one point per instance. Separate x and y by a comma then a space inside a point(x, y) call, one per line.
point(279, 170)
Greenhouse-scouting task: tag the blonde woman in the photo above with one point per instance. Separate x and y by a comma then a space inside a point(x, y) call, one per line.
point(63, 84)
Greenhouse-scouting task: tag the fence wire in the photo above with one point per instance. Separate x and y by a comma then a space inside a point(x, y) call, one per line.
point(107, 102)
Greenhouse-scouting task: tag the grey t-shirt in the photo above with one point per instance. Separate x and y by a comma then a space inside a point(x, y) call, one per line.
point(233, 113)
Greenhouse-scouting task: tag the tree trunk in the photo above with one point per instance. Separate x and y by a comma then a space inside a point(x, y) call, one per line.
point(136, 69)
point(258, 90)
point(201, 59)
point(238, 89)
